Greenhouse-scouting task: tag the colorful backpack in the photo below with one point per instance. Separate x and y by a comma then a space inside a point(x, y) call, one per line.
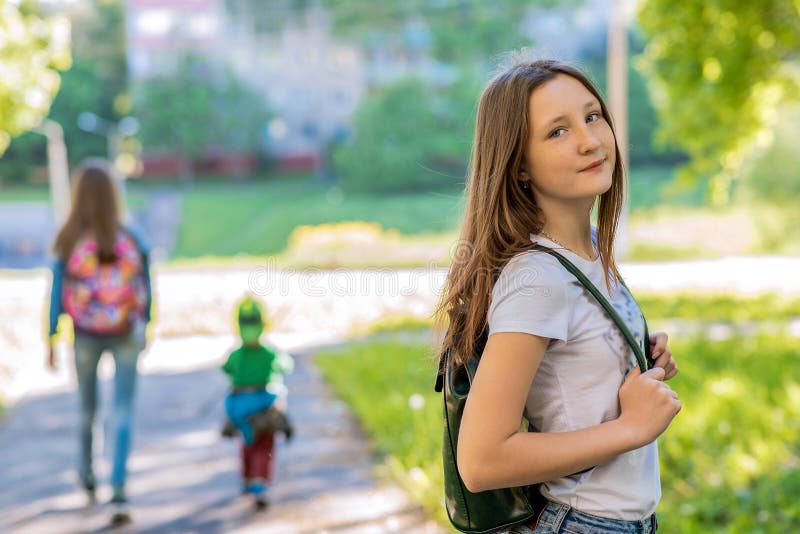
point(105, 298)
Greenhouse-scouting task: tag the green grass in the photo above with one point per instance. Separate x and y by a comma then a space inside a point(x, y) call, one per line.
point(24, 193)
point(257, 218)
point(729, 462)
point(724, 307)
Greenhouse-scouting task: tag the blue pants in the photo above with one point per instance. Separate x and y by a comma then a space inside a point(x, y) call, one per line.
point(125, 350)
point(240, 406)
point(557, 518)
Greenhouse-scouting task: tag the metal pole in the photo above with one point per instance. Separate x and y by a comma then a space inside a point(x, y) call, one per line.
point(58, 168)
point(617, 60)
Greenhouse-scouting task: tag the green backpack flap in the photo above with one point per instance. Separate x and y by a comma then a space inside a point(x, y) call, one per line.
point(486, 511)
point(469, 512)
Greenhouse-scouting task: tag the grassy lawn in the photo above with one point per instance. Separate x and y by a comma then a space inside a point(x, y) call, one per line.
point(25, 193)
point(729, 461)
point(257, 218)
point(723, 307)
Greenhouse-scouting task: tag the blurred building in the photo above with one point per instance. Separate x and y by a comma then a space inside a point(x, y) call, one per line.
point(160, 32)
point(311, 82)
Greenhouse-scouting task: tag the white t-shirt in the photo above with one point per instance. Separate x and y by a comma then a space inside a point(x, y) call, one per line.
point(578, 380)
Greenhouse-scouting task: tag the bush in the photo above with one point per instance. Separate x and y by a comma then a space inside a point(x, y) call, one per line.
point(772, 179)
point(408, 136)
point(773, 176)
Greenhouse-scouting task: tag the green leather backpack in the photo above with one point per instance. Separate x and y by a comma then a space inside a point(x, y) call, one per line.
point(487, 511)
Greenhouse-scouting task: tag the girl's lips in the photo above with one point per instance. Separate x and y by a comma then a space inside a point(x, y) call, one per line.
point(594, 167)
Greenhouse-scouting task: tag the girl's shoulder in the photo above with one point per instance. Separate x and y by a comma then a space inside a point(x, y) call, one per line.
point(534, 266)
point(137, 235)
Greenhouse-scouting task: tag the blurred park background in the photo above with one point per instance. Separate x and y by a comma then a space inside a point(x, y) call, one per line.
point(277, 139)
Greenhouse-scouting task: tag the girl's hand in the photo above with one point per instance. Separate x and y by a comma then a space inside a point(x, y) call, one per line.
point(662, 355)
point(647, 405)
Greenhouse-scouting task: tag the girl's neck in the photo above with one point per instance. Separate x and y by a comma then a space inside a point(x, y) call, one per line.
point(572, 229)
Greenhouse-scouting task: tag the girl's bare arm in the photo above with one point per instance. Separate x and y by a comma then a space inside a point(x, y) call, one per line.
point(492, 453)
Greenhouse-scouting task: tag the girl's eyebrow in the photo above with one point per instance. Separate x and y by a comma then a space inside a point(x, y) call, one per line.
point(586, 106)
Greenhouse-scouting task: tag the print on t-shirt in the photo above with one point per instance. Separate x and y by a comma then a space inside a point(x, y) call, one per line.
point(626, 308)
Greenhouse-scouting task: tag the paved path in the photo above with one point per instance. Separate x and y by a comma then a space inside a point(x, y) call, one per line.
point(184, 476)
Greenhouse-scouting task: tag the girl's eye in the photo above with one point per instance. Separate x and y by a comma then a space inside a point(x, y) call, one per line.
point(556, 133)
point(593, 116)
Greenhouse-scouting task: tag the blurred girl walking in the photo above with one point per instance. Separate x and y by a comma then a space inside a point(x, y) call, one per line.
point(101, 280)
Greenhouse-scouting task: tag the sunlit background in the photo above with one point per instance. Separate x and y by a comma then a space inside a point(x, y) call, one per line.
point(266, 143)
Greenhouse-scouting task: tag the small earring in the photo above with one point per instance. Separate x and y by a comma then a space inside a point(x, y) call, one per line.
point(524, 185)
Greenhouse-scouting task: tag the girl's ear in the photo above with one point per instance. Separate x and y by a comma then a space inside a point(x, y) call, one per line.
point(524, 180)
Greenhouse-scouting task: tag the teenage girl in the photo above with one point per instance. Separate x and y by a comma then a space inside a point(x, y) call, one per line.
point(544, 155)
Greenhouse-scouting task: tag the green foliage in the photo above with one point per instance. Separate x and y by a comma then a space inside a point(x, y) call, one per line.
point(772, 177)
point(717, 71)
point(406, 135)
point(95, 82)
point(729, 461)
point(197, 108)
point(32, 51)
point(642, 121)
point(770, 181)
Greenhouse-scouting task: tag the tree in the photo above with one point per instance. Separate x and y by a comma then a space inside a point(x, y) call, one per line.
point(197, 108)
point(718, 71)
point(96, 82)
point(32, 51)
point(642, 120)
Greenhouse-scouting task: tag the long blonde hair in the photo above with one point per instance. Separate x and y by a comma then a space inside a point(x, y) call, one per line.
point(94, 211)
point(500, 213)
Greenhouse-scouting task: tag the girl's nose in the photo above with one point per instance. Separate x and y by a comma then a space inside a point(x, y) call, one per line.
point(587, 141)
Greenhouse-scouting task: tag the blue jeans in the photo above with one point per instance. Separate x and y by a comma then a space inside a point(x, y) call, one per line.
point(125, 350)
point(559, 518)
point(240, 406)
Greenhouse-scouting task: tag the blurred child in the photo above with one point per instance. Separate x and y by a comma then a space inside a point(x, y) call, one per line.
point(256, 373)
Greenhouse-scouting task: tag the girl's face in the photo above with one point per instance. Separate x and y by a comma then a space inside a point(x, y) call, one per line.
point(570, 153)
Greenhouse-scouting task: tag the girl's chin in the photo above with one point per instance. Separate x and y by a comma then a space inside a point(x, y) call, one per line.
point(602, 184)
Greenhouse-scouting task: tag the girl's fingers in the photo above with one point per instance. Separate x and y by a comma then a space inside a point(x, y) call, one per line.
point(663, 359)
point(658, 343)
point(670, 369)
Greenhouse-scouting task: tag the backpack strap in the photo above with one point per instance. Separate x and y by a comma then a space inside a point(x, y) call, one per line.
point(440, 374)
point(643, 357)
